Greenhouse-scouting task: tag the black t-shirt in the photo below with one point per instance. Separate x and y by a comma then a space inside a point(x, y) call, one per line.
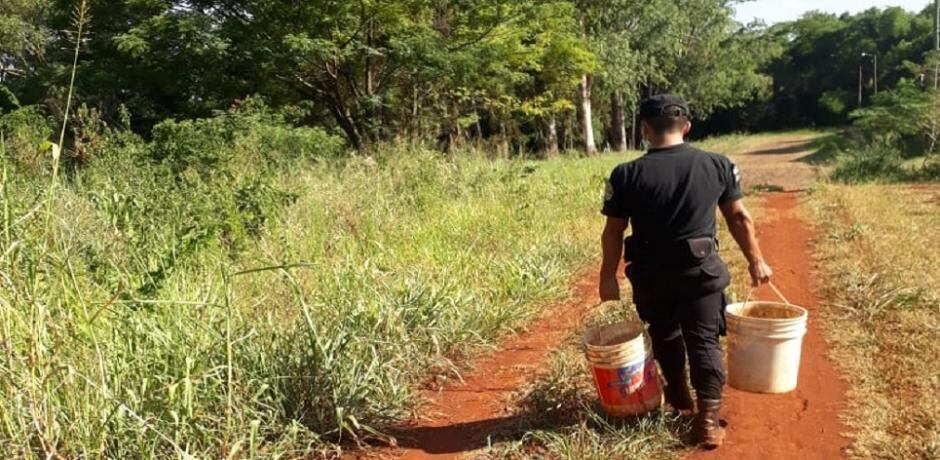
point(671, 194)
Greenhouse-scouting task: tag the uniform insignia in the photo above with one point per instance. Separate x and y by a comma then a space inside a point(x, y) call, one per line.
point(608, 191)
point(737, 173)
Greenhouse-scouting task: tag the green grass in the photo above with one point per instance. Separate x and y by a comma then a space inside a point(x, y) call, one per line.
point(882, 280)
point(234, 311)
point(250, 295)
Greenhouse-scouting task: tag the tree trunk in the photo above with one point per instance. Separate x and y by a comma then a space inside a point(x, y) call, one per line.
point(348, 125)
point(587, 124)
point(457, 130)
point(416, 132)
point(550, 149)
point(633, 134)
point(502, 142)
point(618, 125)
point(936, 72)
point(568, 131)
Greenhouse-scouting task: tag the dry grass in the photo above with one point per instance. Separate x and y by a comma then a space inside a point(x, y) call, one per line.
point(560, 418)
point(737, 144)
point(877, 251)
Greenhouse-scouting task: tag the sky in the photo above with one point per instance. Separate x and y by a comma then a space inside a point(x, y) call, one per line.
point(772, 11)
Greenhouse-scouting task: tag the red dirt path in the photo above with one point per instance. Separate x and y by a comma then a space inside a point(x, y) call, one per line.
point(463, 416)
point(803, 424)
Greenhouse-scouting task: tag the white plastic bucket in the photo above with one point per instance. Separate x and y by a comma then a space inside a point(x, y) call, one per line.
point(625, 375)
point(765, 340)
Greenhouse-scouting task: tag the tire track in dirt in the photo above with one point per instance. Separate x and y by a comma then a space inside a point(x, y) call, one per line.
point(803, 424)
point(461, 418)
point(782, 161)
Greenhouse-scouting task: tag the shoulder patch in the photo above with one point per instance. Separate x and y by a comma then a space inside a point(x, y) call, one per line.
point(737, 173)
point(608, 191)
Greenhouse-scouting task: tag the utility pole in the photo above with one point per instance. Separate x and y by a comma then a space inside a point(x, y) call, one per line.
point(936, 25)
point(875, 70)
point(860, 86)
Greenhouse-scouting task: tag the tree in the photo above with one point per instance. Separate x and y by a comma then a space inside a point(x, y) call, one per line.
point(908, 115)
point(690, 47)
point(382, 68)
point(821, 60)
point(509, 73)
point(23, 41)
point(626, 37)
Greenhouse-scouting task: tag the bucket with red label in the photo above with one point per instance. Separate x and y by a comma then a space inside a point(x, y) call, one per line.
point(624, 372)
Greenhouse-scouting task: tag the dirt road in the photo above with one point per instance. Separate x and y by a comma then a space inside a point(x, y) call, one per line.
point(783, 162)
point(461, 418)
point(803, 424)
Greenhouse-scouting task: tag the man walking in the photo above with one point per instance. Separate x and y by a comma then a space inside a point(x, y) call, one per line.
point(670, 196)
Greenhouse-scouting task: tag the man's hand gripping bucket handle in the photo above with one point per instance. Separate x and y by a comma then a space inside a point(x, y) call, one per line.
point(774, 288)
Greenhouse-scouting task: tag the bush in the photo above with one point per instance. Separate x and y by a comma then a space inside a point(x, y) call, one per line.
point(25, 130)
point(835, 103)
point(199, 183)
point(873, 163)
point(249, 135)
point(892, 140)
point(906, 117)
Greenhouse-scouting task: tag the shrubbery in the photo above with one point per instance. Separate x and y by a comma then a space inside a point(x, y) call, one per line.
point(25, 130)
point(896, 139)
point(228, 290)
point(871, 163)
point(200, 182)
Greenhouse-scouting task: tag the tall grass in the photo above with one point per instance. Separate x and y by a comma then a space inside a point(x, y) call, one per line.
point(264, 304)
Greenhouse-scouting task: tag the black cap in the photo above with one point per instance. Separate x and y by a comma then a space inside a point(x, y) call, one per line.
point(664, 105)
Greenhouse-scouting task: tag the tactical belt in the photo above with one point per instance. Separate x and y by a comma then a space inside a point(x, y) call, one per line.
point(687, 252)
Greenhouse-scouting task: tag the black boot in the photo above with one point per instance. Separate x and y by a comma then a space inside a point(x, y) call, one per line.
point(671, 357)
point(678, 395)
point(707, 428)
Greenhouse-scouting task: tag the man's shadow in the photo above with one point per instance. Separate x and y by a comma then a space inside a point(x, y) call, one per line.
point(467, 437)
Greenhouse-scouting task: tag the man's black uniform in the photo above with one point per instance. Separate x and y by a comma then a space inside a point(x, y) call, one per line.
point(670, 197)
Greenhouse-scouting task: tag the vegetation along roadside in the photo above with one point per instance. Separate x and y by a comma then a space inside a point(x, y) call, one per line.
point(883, 318)
point(183, 301)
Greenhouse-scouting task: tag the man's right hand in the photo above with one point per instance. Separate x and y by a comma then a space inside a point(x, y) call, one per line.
point(760, 273)
point(609, 289)
point(612, 247)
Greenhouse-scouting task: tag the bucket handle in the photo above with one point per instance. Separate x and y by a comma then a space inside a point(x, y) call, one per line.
point(776, 291)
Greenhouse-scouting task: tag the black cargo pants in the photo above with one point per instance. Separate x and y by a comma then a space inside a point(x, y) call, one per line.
point(684, 308)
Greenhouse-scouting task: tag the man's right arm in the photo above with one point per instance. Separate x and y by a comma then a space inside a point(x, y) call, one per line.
point(612, 251)
point(742, 229)
point(618, 217)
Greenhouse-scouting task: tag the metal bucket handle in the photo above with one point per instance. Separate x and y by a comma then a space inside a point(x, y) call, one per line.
point(776, 291)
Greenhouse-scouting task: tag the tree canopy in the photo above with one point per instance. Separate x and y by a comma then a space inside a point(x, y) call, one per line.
point(828, 63)
point(447, 71)
point(517, 75)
